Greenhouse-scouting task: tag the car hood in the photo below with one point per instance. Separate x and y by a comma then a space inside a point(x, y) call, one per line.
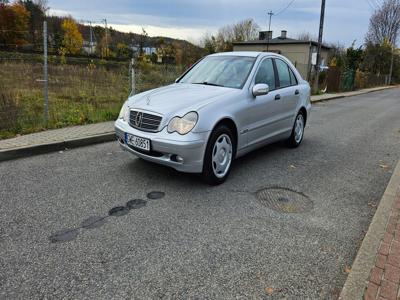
point(177, 99)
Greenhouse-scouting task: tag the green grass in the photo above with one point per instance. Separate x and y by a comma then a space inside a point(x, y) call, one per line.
point(79, 93)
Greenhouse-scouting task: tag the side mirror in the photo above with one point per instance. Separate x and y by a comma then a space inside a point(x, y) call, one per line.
point(260, 89)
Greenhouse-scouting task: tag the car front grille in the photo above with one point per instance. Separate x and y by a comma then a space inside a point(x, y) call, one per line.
point(144, 121)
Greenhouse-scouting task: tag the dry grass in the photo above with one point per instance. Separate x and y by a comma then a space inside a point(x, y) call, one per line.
point(78, 94)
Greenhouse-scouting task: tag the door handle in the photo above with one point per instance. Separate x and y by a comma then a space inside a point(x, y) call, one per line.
point(277, 97)
point(296, 92)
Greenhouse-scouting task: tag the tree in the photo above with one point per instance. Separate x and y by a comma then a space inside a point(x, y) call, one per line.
point(37, 12)
point(377, 58)
point(123, 51)
point(209, 43)
point(245, 30)
point(242, 31)
point(142, 41)
point(354, 57)
point(385, 23)
point(306, 36)
point(14, 19)
point(72, 40)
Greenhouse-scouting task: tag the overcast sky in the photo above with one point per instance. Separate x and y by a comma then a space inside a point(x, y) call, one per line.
point(345, 20)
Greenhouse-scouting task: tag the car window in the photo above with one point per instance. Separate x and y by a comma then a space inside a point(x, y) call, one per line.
point(266, 74)
point(283, 73)
point(293, 79)
point(227, 71)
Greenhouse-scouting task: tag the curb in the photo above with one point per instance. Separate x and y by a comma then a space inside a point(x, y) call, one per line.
point(55, 146)
point(355, 93)
point(110, 136)
point(356, 282)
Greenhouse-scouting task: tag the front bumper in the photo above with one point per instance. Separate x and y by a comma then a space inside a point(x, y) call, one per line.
point(166, 147)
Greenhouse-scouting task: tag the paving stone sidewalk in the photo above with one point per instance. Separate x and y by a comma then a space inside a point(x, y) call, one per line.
point(57, 135)
point(384, 279)
point(328, 96)
point(91, 130)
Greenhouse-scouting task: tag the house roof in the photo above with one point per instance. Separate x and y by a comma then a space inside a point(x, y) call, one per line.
point(279, 41)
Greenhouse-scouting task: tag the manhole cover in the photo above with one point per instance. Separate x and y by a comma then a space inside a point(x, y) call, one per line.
point(284, 200)
point(136, 203)
point(155, 195)
point(118, 211)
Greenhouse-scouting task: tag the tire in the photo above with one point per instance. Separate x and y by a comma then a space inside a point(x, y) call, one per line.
point(219, 155)
point(297, 134)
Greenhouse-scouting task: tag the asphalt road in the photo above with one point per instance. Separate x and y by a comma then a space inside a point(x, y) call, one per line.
point(199, 241)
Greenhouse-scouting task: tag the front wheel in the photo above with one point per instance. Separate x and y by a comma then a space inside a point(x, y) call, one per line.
point(297, 132)
point(218, 156)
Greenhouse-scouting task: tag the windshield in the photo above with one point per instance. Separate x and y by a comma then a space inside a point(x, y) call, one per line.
point(226, 71)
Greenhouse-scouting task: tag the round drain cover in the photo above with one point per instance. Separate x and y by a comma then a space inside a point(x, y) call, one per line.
point(155, 195)
point(136, 203)
point(284, 200)
point(118, 211)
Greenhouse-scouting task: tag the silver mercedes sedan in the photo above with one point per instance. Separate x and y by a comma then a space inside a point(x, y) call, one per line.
point(223, 107)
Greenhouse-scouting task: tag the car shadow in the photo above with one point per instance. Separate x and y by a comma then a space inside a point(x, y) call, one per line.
point(152, 171)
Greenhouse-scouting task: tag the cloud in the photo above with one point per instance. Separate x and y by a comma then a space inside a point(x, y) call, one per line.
point(345, 20)
point(191, 34)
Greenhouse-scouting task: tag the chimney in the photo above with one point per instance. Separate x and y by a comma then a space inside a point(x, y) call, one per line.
point(265, 35)
point(283, 34)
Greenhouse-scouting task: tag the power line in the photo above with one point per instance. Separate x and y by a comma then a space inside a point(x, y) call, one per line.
point(283, 10)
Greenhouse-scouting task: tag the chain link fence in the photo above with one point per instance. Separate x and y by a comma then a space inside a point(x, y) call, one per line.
point(81, 90)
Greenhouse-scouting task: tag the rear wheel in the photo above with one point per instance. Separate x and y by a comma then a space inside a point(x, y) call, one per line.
point(219, 156)
point(297, 132)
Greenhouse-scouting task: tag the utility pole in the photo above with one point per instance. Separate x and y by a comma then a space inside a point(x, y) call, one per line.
point(391, 63)
point(269, 27)
point(91, 35)
point(91, 38)
point(133, 78)
point(321, 30)
point(46, 75)
point(105, 28)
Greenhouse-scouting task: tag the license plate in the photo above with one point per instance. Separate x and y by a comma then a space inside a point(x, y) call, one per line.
point(138, 142)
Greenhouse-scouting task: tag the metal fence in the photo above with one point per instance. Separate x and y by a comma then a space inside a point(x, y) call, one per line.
point(81, 90)
point(338, 80)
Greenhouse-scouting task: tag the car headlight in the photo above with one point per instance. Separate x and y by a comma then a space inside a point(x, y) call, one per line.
point(183, 125)
point(124, 113)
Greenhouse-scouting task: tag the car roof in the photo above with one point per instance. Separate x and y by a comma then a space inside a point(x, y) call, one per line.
point(245, 53)
point(238, 53)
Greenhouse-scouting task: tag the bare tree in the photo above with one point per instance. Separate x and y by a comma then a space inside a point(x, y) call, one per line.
point(306, 36)
point(242, 31)
point(384, 27)
point(384, 24)
point(245, 30)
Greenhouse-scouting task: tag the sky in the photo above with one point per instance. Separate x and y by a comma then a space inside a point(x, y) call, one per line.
point(345, 20)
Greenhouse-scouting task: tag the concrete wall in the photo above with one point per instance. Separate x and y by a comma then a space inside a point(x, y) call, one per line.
point(298, 54)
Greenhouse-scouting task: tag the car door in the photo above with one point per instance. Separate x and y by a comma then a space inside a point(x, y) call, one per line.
point(264, 112)
point(289, 92)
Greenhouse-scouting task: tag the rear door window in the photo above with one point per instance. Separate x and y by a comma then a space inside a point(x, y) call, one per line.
point(283, 73)
point(293, 79)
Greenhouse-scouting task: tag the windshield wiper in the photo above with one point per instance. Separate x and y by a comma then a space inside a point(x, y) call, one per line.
point(207, 83)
